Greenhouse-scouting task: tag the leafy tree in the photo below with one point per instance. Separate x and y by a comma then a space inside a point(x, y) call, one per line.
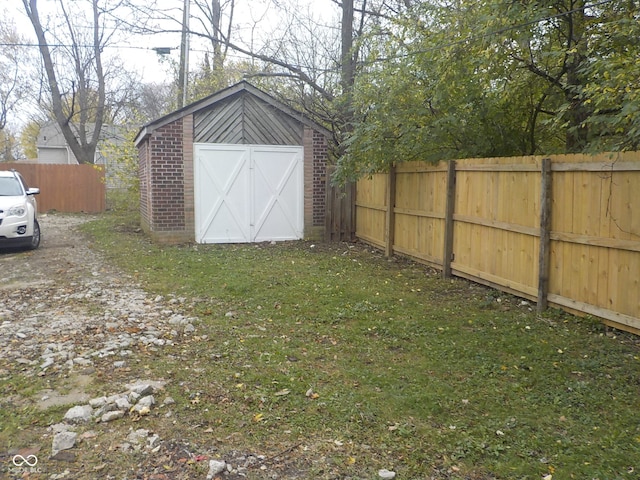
point(29, 138)
point(8, 146)
point(613, 72)
point(484, 78)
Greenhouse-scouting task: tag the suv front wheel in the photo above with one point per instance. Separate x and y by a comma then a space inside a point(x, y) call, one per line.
point(35, 239)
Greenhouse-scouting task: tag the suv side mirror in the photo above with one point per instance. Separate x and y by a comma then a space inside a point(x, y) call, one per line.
point(33, 191)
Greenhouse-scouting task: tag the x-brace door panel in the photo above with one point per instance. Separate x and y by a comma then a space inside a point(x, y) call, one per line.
point(248, 193)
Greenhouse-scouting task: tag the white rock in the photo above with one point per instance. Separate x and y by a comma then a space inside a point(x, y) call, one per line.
point(215, 467)
point(47, 363)
point(111, 416)
point(60, 427)
point(63, 441)
point(148, 401)
point(98, 402)
point(138, 436)
point(114, 398)
point(79, 414)
point(189, 328)
point(123, 404)
point(82, 361)
point(142, 389)
point(386, 474)
point(178, 320)
point(153, 441)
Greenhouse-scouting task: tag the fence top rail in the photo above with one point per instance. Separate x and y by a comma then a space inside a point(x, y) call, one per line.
point(619, 161)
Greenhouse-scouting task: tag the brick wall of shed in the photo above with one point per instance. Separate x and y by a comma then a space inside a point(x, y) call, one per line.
point(320, 160)
point(170, 182)
point(315, 167)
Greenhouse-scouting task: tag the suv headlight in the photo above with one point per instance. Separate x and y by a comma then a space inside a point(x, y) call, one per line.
point(17, 211)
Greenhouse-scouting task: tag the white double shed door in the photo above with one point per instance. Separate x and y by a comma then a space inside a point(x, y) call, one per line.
point(248, 193)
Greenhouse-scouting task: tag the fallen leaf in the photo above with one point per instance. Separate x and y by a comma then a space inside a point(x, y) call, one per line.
point(283, 392)
point(258, 417)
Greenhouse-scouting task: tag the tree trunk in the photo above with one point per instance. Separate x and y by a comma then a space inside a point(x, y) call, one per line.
point(578, 112)
point(80, 115)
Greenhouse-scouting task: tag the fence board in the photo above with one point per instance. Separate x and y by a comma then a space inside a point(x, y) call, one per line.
point(65, 188)
point(495, 216)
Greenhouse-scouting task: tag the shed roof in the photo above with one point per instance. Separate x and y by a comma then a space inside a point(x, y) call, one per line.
point(240, 88)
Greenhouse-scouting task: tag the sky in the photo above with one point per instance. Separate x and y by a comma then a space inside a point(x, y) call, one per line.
point(136, 51)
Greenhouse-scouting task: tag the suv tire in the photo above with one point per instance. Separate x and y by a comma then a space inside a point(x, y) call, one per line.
point(35, 239)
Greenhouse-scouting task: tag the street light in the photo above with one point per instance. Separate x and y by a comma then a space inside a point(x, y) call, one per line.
point(162, 50)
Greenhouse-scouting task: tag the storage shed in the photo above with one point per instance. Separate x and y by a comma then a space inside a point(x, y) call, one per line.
point(235, 167)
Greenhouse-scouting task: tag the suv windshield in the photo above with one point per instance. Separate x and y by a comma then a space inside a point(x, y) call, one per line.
point(10, 186)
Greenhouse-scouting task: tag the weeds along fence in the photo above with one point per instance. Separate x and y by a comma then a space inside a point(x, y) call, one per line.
point(560, 230)
point(65, 188)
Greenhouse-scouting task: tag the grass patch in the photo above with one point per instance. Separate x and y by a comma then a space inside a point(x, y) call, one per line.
point(353, 363)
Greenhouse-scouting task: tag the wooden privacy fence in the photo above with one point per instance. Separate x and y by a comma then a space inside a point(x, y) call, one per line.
point(562, 230)
point(65, 188)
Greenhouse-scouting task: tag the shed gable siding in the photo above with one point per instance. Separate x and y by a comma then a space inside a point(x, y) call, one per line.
point(246, 120)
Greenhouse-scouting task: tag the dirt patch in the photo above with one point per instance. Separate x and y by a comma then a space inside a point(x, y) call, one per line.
point(76, 395)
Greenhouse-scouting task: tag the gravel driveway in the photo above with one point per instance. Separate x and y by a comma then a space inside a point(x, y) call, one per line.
point(62, 306)
point(71, 320)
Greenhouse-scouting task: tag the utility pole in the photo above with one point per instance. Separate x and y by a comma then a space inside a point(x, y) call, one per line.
point(183, 75)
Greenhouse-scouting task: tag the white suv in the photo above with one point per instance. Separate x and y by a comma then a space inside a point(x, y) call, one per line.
point(18, 212)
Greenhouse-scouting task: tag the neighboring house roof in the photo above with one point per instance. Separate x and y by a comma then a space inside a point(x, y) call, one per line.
point(237, 89)
point(50, 136)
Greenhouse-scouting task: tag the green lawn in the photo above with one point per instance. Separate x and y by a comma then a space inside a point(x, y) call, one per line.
point(352, 363)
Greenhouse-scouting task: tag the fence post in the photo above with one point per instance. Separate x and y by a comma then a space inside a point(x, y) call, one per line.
point(389, 233)
point(353, 196)
point(545, 235)
point(447, 256)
